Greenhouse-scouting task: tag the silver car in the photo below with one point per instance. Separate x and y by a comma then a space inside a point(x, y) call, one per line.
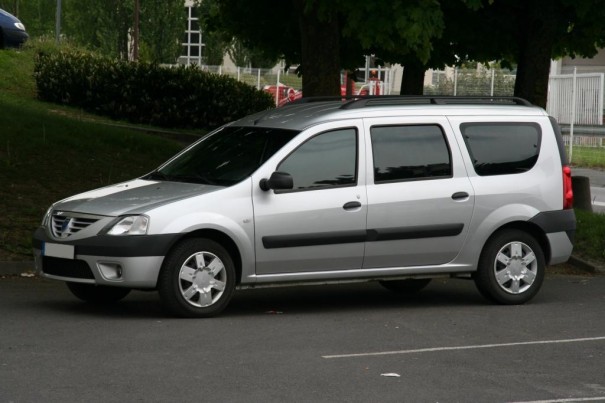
point(393, 189)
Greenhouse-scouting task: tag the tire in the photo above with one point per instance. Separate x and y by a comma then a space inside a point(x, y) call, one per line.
point(406, 287)
point(511, 268)
point(97, 294)
point(197, 279)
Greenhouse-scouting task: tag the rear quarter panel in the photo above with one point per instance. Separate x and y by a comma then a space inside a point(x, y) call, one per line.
point(503, 199)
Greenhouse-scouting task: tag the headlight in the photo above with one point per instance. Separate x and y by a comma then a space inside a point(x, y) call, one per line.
point(46, 219)
point(130, 225)
point(20, 26)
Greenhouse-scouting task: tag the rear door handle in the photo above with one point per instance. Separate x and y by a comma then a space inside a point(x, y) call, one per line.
point(460, 195)
point(352, 205)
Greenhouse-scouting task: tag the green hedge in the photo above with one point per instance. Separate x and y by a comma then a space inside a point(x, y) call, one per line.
point(184, 97)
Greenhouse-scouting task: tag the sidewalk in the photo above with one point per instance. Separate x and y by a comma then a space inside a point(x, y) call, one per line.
point(596, 177)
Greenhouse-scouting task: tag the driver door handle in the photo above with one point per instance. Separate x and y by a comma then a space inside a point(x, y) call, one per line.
point(459, 195)
point(352, 205)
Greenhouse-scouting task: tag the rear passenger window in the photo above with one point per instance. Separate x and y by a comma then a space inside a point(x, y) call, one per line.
point(502, 148)
point(409, 152)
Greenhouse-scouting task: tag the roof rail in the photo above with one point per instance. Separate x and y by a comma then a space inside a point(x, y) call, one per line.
point(361, 101)
point(322, 99)
point(381, 100)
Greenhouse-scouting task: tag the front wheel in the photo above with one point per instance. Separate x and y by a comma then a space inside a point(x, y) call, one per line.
point(511, 268)
point(97, 294)
point(197, 279)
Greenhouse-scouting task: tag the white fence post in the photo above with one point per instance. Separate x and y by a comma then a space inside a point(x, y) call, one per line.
point(277, 88)
point(258, 80)
point(573, 112)
point(455, 81)
point(491, 93)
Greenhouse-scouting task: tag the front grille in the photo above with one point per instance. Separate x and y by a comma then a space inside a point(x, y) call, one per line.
point(66, 267)
point(65, 224)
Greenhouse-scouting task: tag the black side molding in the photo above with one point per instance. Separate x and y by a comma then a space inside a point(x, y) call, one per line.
point(371, 235)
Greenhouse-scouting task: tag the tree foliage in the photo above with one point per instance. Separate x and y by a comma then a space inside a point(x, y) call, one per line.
point(529, 33)
point(106, 26)
point(322, 36)
point(162, 27)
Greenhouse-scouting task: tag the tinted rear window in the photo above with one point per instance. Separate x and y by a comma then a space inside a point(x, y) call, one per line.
point(409, 153)
point(502, 148)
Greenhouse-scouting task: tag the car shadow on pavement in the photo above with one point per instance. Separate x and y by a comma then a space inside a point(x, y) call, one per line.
point(300, 300)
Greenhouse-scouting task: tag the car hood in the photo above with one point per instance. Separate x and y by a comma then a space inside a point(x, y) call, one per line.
point(134, 197)
point(7, 18)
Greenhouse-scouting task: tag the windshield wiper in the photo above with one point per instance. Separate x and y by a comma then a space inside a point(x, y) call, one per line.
point(193, 179)
point(157, 175)
point(201, 179)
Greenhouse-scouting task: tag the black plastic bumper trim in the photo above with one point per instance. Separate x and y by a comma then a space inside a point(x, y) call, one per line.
point(556, 221)
point(117, 246)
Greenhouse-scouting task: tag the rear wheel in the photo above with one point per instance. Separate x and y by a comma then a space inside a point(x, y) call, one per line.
point(197, 279)
point(406, 287)
point(511, 268)
point(97, 294)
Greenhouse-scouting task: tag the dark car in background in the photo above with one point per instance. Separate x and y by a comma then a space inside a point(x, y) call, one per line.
point(12, 31)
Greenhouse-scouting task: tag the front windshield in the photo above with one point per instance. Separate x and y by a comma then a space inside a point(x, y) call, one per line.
point(225, 157)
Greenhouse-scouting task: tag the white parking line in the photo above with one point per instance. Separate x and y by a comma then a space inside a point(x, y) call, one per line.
point(434, 349)
point(579, 399)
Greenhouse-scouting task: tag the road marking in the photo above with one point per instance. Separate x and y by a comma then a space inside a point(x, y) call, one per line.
point(434, 349)
point(579, 399)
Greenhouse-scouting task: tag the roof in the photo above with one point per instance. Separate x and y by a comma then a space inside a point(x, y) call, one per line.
point(307, 112)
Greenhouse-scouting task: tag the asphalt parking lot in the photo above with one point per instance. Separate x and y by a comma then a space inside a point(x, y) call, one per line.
point(347, 343)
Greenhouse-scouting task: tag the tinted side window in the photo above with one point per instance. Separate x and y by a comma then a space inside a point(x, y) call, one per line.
point(502, 148)
point(326, 160)
point(409, 152)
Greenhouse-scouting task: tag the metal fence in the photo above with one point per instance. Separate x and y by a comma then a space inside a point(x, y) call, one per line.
point(576, 98)
point(471, 82)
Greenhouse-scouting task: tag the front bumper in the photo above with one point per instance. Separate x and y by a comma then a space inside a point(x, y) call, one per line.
point(124, 261)
point(14, 38)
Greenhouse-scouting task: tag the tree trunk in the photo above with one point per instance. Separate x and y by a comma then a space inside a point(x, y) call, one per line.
point(320, 52)
point(412, 79)
point(535, 51)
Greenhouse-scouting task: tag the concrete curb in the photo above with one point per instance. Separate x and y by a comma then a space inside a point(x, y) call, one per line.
point(586, 265)
point(12, 268)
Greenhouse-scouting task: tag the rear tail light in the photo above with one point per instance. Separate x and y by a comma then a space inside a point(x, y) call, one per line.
point(567, 189)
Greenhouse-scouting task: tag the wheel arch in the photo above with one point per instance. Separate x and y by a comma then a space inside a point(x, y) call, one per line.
point(221, 238)
point(530, 228)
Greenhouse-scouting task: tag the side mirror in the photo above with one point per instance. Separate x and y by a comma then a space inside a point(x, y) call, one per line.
point(277, 181)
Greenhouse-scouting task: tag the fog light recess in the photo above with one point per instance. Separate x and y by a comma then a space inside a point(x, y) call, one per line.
point(110, 271)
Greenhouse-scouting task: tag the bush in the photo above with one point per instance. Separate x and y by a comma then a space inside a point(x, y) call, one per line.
point(590, 236)
point(184, 97)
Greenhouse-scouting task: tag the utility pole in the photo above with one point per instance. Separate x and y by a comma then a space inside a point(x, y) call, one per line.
point(58, 23)
point(135, 36)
